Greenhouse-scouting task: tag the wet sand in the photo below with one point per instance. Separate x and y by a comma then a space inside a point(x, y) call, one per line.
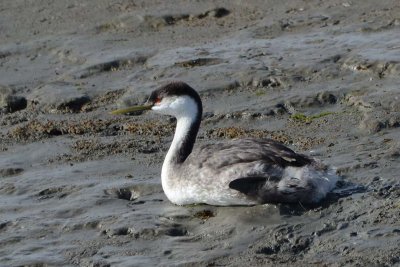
point(80, 187)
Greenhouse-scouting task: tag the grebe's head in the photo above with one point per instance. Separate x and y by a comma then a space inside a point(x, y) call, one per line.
point(176, 99)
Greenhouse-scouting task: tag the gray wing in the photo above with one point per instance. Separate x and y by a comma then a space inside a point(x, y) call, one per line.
point(253, 167)
point(236, 151)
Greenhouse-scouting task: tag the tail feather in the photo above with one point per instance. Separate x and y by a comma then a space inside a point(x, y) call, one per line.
point(308, 183)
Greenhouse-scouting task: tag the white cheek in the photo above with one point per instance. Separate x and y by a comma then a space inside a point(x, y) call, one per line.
point(155, 108)
point(167, 107)
point(183, 106)
point(162, 108)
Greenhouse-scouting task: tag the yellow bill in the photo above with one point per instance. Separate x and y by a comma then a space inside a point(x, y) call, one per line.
point(130, 109)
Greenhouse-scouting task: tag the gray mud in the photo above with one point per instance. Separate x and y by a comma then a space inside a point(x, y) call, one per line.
point(81, 187)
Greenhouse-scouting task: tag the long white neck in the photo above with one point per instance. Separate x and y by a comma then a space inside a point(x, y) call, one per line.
point(188, 115)
point(171, 161)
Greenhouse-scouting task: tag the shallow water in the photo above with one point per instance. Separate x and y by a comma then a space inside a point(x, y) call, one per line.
point(79, 186)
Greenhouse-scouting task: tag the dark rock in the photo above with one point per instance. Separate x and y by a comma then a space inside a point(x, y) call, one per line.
point(122, 231)
point(269, 250)
point(271, 82)
point(74, 103)
point(15, 103)
point(125, 193)
point(173, 19)
point(216, 13)
point(3, 225)
point(10, 171)
point(326, 98)
point(176, 231)
point(11, 102)
point(376, 178)
point(219, 12)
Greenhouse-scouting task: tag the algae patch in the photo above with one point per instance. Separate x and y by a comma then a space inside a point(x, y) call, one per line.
point(308, 119)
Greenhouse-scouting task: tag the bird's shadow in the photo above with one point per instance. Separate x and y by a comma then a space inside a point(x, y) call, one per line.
point(343, 189)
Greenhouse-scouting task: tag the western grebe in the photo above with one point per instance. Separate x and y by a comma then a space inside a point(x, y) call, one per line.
point(236, 172)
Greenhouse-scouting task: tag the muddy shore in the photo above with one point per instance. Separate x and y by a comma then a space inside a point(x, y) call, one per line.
point(81, 187)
